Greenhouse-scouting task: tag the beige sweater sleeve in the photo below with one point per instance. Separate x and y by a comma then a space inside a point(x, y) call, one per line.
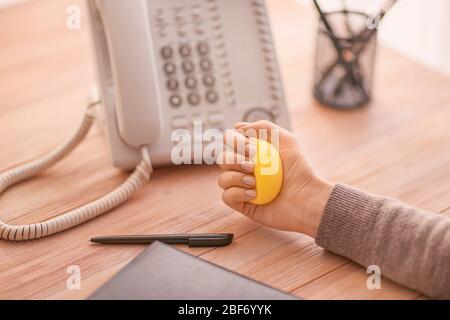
point(411, 246)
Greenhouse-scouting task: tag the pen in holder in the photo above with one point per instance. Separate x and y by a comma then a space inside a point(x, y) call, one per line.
point(345, 57)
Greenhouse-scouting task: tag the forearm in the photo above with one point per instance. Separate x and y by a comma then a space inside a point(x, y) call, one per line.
point(411, 246)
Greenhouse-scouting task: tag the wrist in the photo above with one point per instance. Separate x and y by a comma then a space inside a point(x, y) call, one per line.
point(315, 201)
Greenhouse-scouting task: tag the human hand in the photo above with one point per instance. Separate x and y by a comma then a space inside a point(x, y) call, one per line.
point(300, 204)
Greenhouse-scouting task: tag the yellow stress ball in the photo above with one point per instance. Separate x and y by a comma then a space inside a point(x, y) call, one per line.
point(268, 173)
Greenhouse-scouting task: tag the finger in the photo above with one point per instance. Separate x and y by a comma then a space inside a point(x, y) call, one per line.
point(235, 195)
point(231, 161)
point(230, 157)
point(262, 124)
point(230, 179)
point(268, 131)
point(240, 125)
point(261, 129)
point(236, 141)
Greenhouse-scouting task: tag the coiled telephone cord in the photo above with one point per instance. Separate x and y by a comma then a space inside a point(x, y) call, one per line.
point(77, 216)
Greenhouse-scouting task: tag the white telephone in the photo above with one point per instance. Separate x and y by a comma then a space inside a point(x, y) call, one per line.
point(163, 65)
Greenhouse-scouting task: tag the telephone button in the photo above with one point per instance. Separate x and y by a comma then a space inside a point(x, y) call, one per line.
point(180, 123)
point(172, 85)
point(197, 121)
point(209, 81)
point(199, 32)
point(216, 118)
point(203, 49)
point(167, 52)
point(197, 12)
point(257, 115)
point(188, 66)
point(206, 65)
point(185, 51)
point(176, 101)
point(194, 99)
point(191, 83)
point(170, 68)
point(212, 96)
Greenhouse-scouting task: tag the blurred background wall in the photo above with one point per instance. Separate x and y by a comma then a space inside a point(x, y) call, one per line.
point(420, 29)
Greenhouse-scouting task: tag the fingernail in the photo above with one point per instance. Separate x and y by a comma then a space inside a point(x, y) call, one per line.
point(249, 181)
point(247, 166)
point(251, 194)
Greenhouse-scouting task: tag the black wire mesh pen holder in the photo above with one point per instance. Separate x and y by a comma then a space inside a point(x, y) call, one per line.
point(345, 83)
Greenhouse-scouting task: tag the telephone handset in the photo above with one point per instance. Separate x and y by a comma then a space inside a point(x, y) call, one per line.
point(165, 65)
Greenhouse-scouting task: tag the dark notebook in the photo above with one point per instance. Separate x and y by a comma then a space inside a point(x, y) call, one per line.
point(164, 273)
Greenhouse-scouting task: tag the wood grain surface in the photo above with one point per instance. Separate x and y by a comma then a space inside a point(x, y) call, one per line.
point(398, 146)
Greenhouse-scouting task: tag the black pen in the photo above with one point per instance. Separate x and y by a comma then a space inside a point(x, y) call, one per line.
point(192, 240)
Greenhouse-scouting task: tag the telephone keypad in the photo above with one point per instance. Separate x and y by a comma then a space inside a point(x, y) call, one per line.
point(200, 72)
point(187, 61)
point(199, 81)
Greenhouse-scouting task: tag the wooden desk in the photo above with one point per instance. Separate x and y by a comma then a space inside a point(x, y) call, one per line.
point(399, 146)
